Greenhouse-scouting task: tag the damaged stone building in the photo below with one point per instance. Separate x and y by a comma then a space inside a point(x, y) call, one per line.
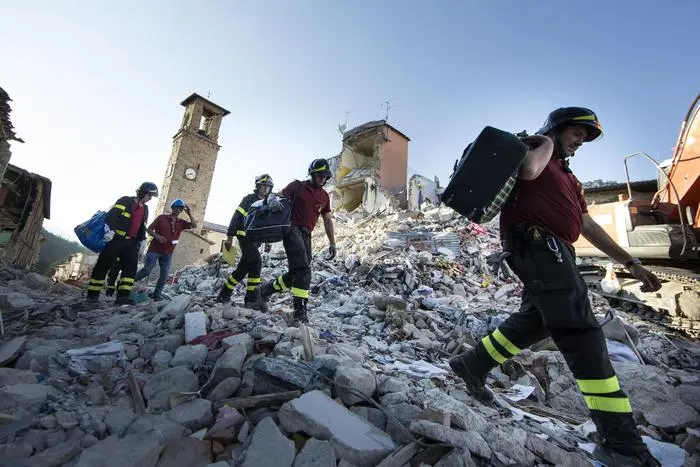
point(77, 267)
point(189, 175)
point(371, 169)
point(422, 191)
point(25, 201)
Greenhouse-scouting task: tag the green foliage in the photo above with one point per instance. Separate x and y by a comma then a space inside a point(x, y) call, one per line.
point(56, 250)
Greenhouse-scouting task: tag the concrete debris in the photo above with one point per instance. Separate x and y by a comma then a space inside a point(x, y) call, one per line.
point(353, 439)
point(269, 447)
point(407, 291)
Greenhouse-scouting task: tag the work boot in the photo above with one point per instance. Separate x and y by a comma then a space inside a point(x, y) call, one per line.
point(125, 300)
point(90, 303)
point(468, 367)
point(611, 457)
point(253, 301)
point(224, 295)
point(264, 292)
point(300, 310)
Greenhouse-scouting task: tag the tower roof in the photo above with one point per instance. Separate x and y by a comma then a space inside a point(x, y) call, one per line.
point(194, 96)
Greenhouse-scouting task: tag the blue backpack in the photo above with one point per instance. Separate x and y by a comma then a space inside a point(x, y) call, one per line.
point(269, 221)
point(91, 233)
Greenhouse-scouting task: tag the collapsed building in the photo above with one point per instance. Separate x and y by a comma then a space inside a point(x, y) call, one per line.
point(25, 201)
point(189, 381)
point(7, 132)
point(423, 191)
point(76, 269)
point(371, 169)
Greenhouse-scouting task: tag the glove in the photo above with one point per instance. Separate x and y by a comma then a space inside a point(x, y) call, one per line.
point(275, 205)
point(331, 251)
point(108, 235)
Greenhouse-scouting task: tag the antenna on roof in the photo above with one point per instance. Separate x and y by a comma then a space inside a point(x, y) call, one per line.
point(208, 94)
point(387, 104)
point(344, 126)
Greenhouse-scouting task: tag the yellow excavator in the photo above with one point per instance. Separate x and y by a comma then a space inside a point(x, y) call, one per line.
point(663, 232)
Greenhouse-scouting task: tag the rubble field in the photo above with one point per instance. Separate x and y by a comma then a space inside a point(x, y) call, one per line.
point(189, 382)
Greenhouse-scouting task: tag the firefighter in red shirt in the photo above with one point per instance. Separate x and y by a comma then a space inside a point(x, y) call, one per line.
point(125, 229)
point(539, 223)
point(165, 230)
point(309, 201)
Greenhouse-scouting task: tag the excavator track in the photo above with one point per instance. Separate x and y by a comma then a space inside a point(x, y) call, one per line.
point(676, 306)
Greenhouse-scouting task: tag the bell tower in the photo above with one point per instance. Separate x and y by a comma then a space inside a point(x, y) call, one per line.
point(192, 161)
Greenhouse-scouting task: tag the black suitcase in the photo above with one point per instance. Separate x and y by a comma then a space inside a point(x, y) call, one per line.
point(485, 167)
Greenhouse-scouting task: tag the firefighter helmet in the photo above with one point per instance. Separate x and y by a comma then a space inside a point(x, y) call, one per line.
point(147, 187)
point(320, 166)
point(571, 116)
point(263, 179)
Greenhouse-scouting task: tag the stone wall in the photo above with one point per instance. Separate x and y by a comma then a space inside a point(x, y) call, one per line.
point(191, 249)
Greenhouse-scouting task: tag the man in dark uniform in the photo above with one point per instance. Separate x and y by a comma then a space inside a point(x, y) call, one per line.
point(309, 201)
point(544, 216)
point(250, 263)
point(125, 230)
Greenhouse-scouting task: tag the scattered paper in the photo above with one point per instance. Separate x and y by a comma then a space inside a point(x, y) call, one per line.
point(78, 358)
point(519, 392)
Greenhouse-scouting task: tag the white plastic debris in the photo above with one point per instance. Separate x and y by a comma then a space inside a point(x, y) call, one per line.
point(620, 352)
point(195, 325)
point(79, 358)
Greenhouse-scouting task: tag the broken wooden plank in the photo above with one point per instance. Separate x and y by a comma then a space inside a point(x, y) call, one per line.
point(401, 456)
point(136, 395)
point(431, 455)
point(262, 400)
point(307, 342)
point(549, 412)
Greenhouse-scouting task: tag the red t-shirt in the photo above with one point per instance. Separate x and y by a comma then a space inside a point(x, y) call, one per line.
point(309, 204)
point(553, 201)
point(170, 228)
point(137, 212)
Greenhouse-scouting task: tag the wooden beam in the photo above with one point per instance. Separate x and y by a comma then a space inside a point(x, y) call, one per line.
point(263, 400)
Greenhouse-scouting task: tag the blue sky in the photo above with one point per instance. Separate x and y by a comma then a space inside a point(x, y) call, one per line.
point(97, 85)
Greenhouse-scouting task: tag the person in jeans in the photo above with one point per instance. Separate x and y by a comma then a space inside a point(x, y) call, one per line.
point(165, 230)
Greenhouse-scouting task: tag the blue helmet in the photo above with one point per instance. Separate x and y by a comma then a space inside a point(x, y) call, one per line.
point(178, 203)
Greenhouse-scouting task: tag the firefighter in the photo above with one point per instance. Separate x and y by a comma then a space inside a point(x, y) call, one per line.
point(309, 201)
point(125, 229)
point(165, 230)
point(250, 263)
point(539, 223)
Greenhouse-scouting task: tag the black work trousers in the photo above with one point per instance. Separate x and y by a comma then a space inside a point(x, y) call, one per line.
point(126, 251)
point(249, 265)
point(555, 303)
point(297, 245)
point(112, 277)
